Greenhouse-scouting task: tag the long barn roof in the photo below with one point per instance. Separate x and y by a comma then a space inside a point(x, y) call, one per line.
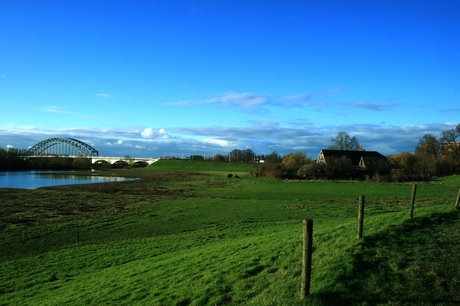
point(354, 156)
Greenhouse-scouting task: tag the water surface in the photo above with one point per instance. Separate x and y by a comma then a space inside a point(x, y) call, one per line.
point(37, 179)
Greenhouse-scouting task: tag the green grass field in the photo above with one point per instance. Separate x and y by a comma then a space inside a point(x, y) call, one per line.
point(185, 234)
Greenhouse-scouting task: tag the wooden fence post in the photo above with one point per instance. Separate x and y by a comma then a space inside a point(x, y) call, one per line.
point(306, 257)
point(412, 201)
point(458, 198)
point(360, 216)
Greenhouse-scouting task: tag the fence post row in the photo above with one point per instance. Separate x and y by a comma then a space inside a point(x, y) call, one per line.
point(412, 201)
point(306, 257)
point(360, 216)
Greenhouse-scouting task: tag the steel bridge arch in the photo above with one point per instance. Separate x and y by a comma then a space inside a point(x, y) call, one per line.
point(66, 145)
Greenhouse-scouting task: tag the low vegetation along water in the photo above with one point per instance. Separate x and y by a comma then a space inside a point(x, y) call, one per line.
point(185, 234)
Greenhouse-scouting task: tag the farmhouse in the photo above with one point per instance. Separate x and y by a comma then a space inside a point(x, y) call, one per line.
point(368, 161)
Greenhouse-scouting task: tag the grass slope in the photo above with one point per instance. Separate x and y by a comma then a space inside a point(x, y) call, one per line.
point(195, 237)
point(202, 166)
point(414, 263)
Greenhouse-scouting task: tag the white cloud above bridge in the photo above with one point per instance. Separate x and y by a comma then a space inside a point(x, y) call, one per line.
point(154, 133)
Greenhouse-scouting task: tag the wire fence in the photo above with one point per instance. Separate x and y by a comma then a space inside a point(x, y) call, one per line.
point(279, 296)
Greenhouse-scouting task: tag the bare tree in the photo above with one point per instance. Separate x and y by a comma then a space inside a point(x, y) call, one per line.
point(273, 158)
point(343, 141)
point(429, 145)
point(451, 145)
point(241, 155)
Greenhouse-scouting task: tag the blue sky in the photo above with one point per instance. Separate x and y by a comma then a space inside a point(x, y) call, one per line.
point(154, 78)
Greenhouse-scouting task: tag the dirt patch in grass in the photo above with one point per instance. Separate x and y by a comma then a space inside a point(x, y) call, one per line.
point(295, 207)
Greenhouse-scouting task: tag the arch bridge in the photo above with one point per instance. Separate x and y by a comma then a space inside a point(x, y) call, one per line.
point(73, 147)
point(62, 146)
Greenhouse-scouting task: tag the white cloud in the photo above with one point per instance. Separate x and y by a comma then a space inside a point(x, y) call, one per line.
point(115, 143)
point(60, 110)
point(228, 99)
point(242, 99)
point(55, 109)
point(256, 103)
point(9, 146)
point(164, 134)
point(298, 100)
point(103, 95)
point(151, 133)
point(219, 142)
point(307, 99)
point(188, 102)
point(372, 106)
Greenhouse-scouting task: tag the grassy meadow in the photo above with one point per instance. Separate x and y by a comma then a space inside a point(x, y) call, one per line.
point(185, 234)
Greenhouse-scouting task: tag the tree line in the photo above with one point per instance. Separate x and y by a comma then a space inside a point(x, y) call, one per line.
point(434, 155)
point(16, 159)
point(12, 159)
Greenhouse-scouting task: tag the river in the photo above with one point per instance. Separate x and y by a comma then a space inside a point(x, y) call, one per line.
point(37, 179)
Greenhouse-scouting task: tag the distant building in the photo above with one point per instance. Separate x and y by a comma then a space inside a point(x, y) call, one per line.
point(369, 161)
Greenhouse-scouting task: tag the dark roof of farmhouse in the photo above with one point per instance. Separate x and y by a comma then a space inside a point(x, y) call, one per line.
point(354, 156)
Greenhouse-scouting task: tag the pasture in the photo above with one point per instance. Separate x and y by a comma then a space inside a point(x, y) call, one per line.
point(185, 234)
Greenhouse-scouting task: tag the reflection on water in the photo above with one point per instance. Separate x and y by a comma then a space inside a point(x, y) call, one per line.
point(36, 179)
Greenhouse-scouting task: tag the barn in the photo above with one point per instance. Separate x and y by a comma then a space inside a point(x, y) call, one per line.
point(367, 162)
